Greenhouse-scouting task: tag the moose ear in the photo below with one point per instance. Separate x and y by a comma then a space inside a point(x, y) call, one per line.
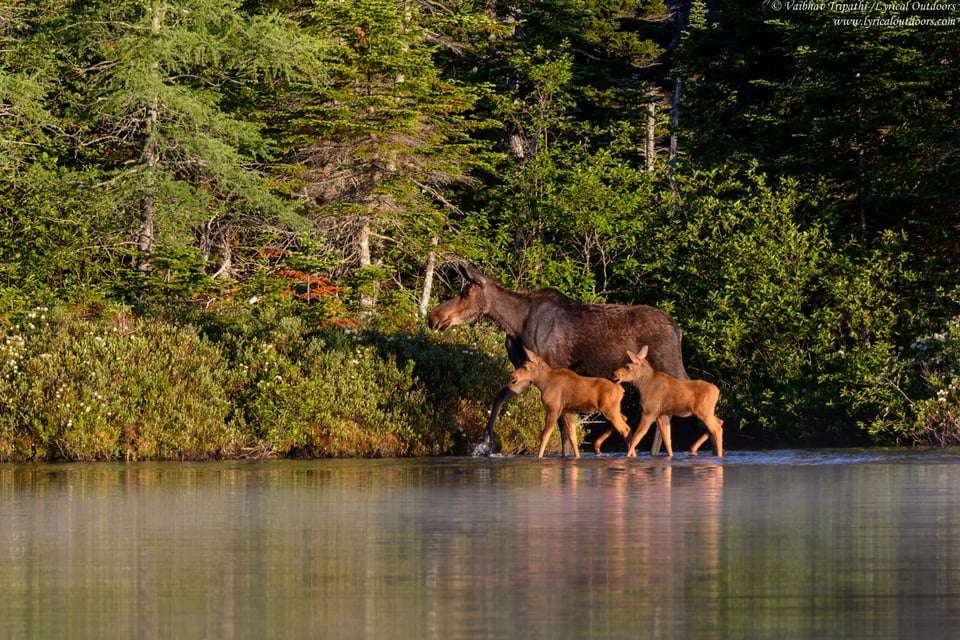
point(531, 356)
point(473, 275)
point(633, 357)
point(643, 353)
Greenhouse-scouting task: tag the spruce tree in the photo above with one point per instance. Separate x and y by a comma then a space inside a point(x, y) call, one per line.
point(159, 104)
point(375, 150)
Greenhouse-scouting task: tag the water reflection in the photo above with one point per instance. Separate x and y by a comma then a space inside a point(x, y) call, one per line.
point(765, 545)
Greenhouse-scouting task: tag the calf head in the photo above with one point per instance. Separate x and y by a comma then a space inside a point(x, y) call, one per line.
point(637, 368)
point(525, 374)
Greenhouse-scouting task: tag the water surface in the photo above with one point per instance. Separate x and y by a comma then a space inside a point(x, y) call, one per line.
point(786, 544)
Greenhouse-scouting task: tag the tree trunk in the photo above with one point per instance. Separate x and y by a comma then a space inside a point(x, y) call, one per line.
point(858, 138)
point(651, 135)
point(366, 300)
point(674, 123)
point(151, 156)
point(428, 277)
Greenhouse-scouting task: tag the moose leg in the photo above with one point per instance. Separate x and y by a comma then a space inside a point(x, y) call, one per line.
point(548, 424)
point(715, 426)
point(663, 431)
point(714, 432)
point(568, 433)
point(601, 439)
point(646, 420)
point(618, 421)
point(699, 442)
point(663, 424)
point(620, 428)
point(502, 396)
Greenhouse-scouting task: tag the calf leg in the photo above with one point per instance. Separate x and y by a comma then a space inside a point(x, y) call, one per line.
point(646, 420)
point(568, 433)
point(699, 442)
point(714, 432)
point(611, 411)
point(549, 422)
point(626, 434)
point(663, 423)
point(662, 435)
point(663, 432)
point(601, 439)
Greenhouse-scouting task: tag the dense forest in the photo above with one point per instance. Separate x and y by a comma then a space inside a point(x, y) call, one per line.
point(223, 221)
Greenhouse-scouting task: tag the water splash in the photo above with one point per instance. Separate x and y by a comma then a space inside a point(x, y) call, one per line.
point(482, 450)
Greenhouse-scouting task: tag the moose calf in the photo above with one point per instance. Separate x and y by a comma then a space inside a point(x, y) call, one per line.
point(565, 393)
point(664, 395)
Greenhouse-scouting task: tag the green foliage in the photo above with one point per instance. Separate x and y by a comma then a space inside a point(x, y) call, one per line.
point(568, 220)
point(114, 389)
point(770, 309)
point(309, 391)
point(866, 115)
point(911, 394)
point(188, 156)
point(317, 401)
point(246, 383)
point(461, 372)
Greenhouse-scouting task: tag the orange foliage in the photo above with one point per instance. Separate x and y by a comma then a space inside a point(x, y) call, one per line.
point(310, 288)
point(314, 285)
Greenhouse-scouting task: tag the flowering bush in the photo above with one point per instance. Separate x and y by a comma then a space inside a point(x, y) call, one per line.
point(258, 382)
point(81, 390)
point(937, 359)
point(911, 394)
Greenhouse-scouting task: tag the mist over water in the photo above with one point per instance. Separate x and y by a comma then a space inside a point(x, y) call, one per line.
point(784, 544)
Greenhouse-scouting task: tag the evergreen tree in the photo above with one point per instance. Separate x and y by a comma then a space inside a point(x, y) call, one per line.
point(42, 224)
point(866, 116)
point(376, 149)
point(158, 101)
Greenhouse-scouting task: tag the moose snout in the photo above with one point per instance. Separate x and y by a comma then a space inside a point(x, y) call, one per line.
point(438, 321)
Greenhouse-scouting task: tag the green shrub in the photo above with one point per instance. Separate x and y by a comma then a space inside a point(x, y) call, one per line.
point(249, 382)
point(460, 372)
point(76, 390)
point(323, 401)
point(912, 394)
point(782, 316)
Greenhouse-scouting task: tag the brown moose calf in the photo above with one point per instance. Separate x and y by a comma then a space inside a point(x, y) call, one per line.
point(565, 394)
point(664, 395)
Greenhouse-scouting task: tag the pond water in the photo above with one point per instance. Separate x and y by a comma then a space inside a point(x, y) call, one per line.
point(786, 544)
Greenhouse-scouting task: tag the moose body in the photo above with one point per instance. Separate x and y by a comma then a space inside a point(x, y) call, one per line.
point(564, 395)
point(664, 395)
point(589, 339)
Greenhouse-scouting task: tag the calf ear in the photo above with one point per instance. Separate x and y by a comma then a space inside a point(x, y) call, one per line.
point(642, 354)
point(531, 356)
point(634, 358)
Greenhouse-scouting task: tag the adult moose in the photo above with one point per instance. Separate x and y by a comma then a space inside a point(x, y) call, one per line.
point(590, 339)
